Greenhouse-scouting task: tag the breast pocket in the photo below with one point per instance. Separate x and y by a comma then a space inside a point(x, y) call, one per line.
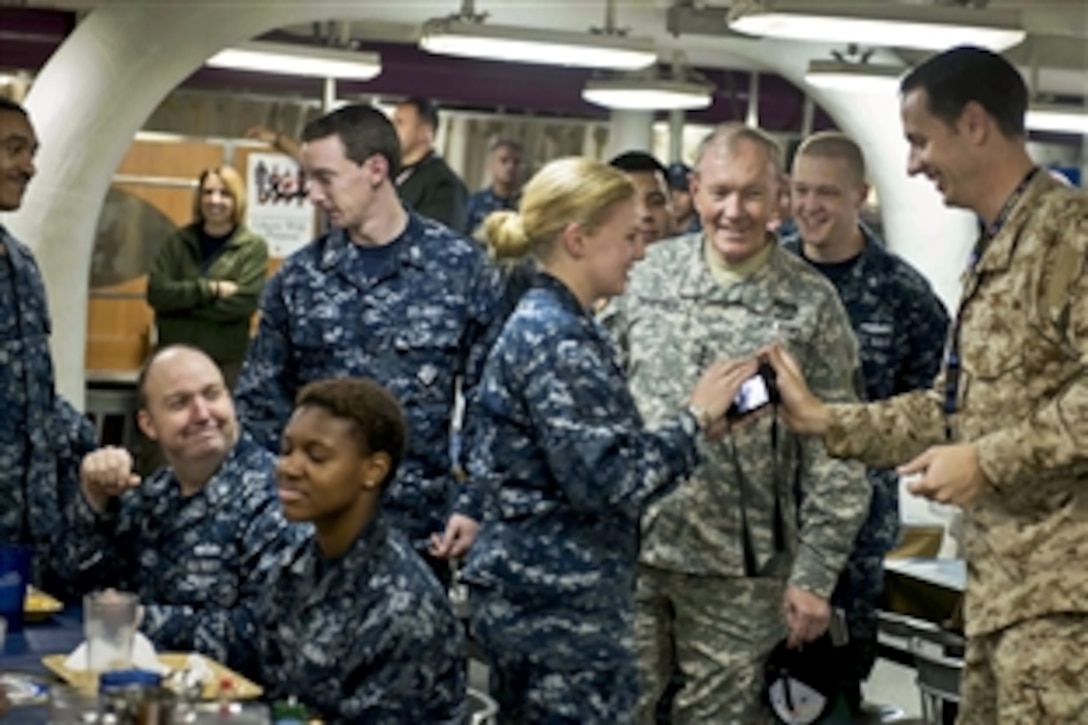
point(321, 347)
point(989, 347)
point(992, 361)
point(427, 361)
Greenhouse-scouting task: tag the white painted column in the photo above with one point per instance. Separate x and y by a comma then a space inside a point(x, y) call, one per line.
point(630, 131)
point(328, 95)
point(676, 136)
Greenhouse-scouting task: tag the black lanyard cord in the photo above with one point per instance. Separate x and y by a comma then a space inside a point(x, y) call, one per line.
point(952, 363)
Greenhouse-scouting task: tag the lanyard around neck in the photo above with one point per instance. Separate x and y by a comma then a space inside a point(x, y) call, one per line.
point(952, 354)
point(991, 230)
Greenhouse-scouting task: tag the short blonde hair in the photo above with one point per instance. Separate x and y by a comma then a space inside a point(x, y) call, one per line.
point(232, 180)
point(835, 145)
point(574, 190)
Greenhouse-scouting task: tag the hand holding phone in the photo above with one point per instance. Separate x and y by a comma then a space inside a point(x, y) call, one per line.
point(718, 386)
point(756, 392)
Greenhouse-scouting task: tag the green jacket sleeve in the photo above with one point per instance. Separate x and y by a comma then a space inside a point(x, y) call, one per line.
point(174, 283)
point(250, 278)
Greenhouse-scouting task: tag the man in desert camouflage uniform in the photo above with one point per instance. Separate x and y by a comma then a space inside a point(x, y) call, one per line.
point(750, 548)
point(900, 325)
point(1004, 431)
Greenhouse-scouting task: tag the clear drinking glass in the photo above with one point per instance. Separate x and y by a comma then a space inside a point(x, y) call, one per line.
point(109, 625)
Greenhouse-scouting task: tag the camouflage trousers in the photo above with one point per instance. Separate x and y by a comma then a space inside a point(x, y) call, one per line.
point(540, 667)
point(1032, 672)
point(717, 633)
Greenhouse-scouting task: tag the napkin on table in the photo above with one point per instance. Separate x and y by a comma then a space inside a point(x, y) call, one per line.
point(143, 656)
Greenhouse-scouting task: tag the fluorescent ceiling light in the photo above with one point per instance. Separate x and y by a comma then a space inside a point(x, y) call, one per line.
point(1063, 119)
point(299, 60)
point(470, 39)
point(933, 27)
point(841, 76)
point(647, 94)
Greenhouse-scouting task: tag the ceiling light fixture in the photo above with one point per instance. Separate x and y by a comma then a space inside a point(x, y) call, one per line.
point(844, 76)
point(299, 60)
point(466, 35)
point(1061, 119)
point(647, 94)
point(679, 89)
point(932, 27)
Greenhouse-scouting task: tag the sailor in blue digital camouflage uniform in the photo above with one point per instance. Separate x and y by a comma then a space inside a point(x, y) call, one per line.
point(566, 461)
point(197, 539)
point(355, 625)
point(386, 294)
point(685, 214)
point(504, 167)
point(900, 325)
point(42, 437)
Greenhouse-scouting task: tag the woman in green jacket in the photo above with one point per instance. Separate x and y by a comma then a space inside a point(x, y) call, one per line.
point(206, 282)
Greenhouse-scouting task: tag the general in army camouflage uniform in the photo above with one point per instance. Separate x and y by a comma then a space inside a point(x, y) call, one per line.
point(42, 437)
point(354, 624)
point(1006, 418)
point(767, 522)
point(901, 327)
point(568, 465)
point(409, 306)
point(195, 544)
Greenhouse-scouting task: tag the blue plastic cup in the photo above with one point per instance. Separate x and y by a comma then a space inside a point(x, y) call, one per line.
point(15, 560)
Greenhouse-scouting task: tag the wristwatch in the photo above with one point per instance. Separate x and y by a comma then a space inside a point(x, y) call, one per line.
point(701, 416)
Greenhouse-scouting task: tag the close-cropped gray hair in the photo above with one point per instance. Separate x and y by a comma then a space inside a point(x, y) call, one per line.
point(731, 134)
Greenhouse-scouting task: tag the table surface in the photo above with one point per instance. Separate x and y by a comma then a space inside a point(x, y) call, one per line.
point(23, 651)
point(949, 574)
point(58, 634)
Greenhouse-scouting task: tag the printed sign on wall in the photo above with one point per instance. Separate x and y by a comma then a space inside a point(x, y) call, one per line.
point(277, 208)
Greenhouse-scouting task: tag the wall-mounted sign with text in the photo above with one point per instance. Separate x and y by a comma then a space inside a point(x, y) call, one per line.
point(277, 208)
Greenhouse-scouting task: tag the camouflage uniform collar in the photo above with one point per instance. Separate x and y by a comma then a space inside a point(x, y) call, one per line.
point(220, 486)
point(874, 246)
point(761, 291)
point(998, 254)
point(224, 483)
point(16, 250)
point(550, 284)
point(872, 250)
point(873, 255)
point(359, 559)
point(410, 252)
